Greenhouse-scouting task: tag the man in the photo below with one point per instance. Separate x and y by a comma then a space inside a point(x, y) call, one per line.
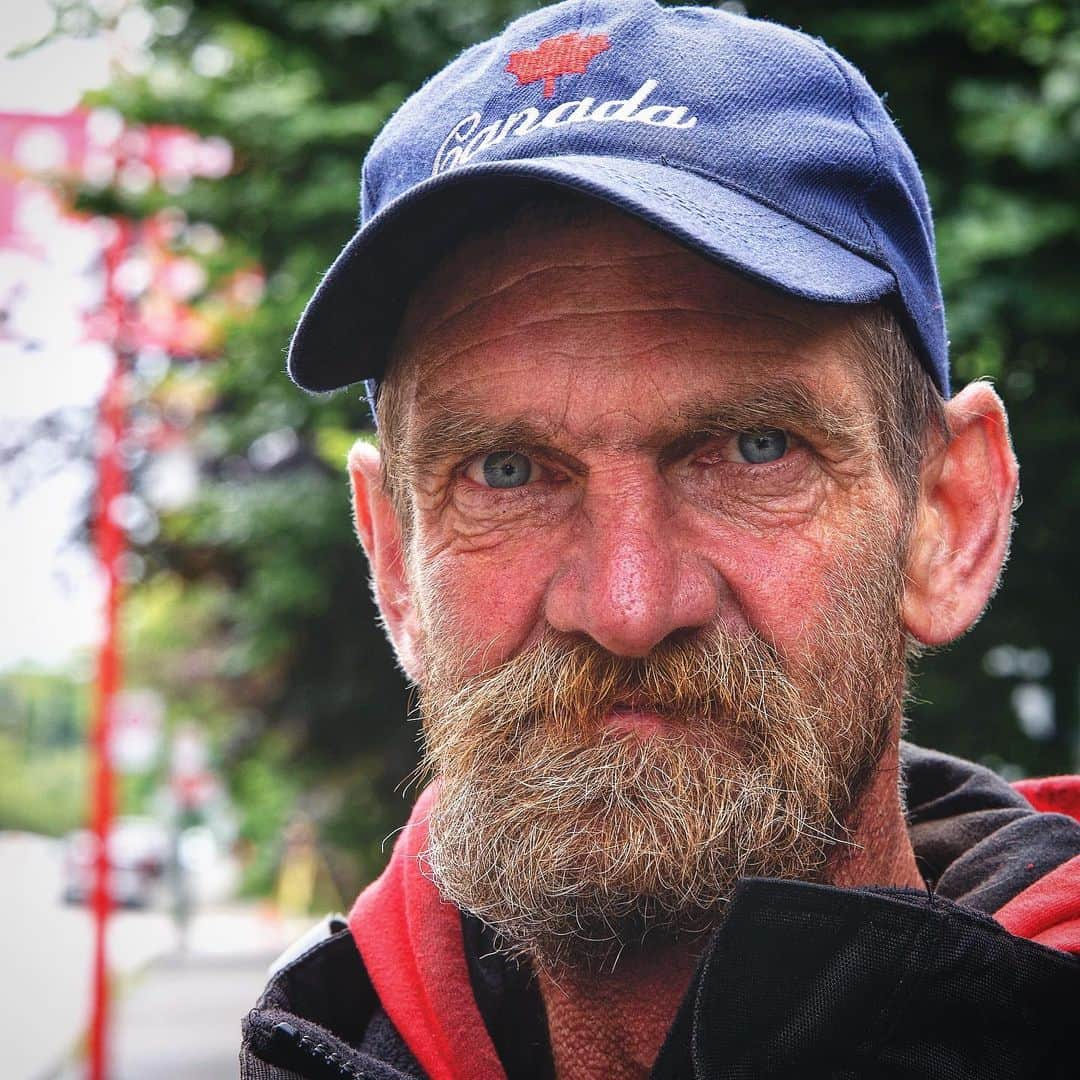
point(669, 486)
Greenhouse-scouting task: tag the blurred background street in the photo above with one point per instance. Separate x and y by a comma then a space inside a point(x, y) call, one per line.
point(179, 997)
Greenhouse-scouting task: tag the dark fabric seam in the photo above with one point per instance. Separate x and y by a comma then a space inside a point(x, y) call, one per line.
point(875, 180)
point(909, 983)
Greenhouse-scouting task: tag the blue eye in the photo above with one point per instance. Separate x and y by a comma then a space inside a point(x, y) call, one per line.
point(760, 447)
point(507, 469)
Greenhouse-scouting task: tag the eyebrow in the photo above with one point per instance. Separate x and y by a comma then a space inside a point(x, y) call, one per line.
point(454, 430)
point(782, 402)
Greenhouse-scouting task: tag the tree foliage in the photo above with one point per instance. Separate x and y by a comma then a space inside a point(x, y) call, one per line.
point(987, 93)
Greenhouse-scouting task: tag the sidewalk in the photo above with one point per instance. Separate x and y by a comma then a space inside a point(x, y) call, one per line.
point(179, 1018)
point(182, 1019)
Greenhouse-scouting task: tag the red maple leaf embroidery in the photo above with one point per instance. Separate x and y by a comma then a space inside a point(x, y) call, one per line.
point(568, 54)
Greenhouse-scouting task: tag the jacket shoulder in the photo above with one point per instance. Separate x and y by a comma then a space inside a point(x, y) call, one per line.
point(312, 1018)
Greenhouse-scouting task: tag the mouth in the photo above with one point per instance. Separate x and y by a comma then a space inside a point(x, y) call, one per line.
point(632, 718)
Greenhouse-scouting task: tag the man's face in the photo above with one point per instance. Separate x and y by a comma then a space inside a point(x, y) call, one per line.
point(656, 563)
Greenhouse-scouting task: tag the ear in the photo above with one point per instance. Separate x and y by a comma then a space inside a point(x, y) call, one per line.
point(379, 531)
point(961, 537)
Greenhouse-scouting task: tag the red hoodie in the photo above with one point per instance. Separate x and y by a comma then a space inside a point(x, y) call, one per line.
point(1049, 911)
point(411, 941)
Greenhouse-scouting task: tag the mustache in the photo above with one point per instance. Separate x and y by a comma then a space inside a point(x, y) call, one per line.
point(569, 682)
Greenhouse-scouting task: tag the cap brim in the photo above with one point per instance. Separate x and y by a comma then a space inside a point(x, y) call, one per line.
point(346, 329)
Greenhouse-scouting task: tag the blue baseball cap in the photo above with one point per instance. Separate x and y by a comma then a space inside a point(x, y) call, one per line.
point(753, 144)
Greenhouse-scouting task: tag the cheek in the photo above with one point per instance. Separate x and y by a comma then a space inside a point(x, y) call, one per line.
point(781, 583)
point(794, 577)
point(488, 602)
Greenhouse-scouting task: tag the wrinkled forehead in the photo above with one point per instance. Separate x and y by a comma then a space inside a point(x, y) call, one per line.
point(587, 281)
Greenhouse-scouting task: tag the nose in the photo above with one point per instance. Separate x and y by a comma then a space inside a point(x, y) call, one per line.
point(628, 580)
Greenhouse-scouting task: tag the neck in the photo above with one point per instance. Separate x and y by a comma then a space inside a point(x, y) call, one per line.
point(613, 1023)
point(880, 851)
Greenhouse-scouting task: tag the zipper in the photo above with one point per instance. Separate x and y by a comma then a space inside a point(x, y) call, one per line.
point(287, 1039)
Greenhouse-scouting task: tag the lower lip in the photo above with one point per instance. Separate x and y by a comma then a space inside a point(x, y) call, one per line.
point(636, 722)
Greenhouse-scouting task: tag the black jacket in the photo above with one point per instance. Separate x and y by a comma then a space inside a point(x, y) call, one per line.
point(800, 980)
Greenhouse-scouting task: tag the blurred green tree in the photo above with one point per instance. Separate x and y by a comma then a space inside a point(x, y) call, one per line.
point(986, 91)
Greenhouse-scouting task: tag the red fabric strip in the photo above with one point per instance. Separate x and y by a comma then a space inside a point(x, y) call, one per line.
point(410, 939)
point(1053, 794)
point(1048, 911)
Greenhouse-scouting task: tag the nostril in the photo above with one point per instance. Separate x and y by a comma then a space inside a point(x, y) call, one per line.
point(683, 635)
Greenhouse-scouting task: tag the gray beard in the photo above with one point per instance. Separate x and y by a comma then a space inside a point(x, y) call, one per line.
point(574, 842)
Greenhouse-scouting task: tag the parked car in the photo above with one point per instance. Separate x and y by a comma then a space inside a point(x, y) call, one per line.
point(138, 851)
